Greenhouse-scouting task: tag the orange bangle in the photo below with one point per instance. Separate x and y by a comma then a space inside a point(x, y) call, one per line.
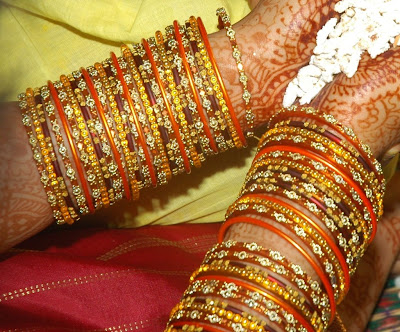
point(192, 86)
point(316, 267)
point(319, 230)
point(235, 121)
point(338, 128)
point(164, 95)
point(78, 165)
point(137, 124)
point(107, 131)
point(338, 170)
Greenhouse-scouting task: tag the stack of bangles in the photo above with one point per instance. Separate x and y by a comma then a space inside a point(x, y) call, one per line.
point(319, 189)
point(105, 132)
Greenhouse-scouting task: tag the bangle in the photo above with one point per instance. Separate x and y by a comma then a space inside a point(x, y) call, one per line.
point(226, 105)
point(207, 87)
point(225, 21)
point(139, 60)
point(159, 156)
point(255, 278)
point(328, 150)
point(329, 121)
point(369, 214)
point(40, 149)
point(202, 125)
point(168, 106)
point(89, 112)
point(306, 229)
point(176, 100)
point(321, 274)
point(91, 165)
point(183, 88)
point(62, 151)
point(127, 152)
point(108, 146)
point(89, 208)
point(274, 262)
point(346, 246)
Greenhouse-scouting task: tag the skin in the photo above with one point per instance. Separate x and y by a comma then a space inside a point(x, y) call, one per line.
point(276, 39)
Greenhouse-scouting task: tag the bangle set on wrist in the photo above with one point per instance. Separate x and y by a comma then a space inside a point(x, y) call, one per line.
point(318, 188)
point(132, 121)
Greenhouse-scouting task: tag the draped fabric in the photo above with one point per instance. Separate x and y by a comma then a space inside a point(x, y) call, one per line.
point(99, 280)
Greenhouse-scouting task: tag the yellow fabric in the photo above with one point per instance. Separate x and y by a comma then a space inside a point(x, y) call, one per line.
point(42, 39)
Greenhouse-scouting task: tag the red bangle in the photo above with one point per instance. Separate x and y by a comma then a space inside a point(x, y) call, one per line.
point(338, 170)
point(78, 165)
point(135, 117)
point(316, 267)
point(319, 230)
point(192, 86)
point(235, 121)
point(107, 131)
point(171, 116)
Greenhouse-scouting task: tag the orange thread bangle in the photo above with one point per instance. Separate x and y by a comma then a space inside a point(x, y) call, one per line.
point(235, 121)
point(171, 116)
point(72, 146)
point(319, 230)
point(140, 131)
point(192, 86)
point(107, 131)
point(316, 157)
point(316, 267)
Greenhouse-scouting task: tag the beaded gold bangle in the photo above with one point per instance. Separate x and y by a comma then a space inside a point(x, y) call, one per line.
point(62, 151)
point(317, 268)
point(159, 155)
point(103, 127)
point(173, 122)
point(254, 277)
point(230, 292)
point(209, 90)
point(330, 122)
point(91, 164)
point(99, 140)
point(328, 150)
point(213, 97)
point(346, 244)
point(361, 198)
point(40, 152)
point(305, 229)
point(274, 262)
point(66, 201)
point(176, 100)
point(139, 59)
point(313, 177)
point(87, 201)
point(182, 86)
point(207, 142)
point(225, 20)
point(225, 102)
point(130, 155)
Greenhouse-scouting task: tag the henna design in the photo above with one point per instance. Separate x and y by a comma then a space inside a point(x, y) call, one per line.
point(23, 203)
point(369, 102)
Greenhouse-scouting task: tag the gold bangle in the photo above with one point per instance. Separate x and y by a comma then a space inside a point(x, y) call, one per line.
point(243, 79)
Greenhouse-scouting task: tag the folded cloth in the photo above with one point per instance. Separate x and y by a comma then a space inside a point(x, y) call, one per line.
point(100, 280)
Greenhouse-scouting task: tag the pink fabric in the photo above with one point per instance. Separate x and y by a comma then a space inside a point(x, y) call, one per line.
point(99, 280)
